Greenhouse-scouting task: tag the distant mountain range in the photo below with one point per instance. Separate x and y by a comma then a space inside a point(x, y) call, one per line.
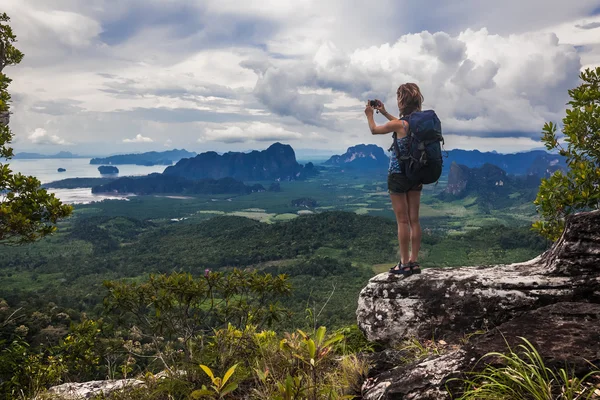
point(537, 162)
point(278, 162)
point(211, 173)
point(33, 156)
point(150, 158)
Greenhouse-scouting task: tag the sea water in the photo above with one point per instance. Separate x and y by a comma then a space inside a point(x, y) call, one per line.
point(46, 170)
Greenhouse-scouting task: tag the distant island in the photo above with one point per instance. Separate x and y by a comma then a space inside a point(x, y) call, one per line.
point(108, 170)
point(163, 184)
point(147, 159)
point(61, 170)
point(278, 162)
point(37, 156)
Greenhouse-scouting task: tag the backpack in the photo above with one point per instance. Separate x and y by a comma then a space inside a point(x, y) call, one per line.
point(424, 160)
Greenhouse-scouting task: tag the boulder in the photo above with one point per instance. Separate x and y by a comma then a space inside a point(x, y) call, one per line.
point(553, 301)
point(451, 302)
point(563, 333)
point(87, 390)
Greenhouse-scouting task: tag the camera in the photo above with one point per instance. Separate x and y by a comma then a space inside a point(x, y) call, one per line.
point(374, 103)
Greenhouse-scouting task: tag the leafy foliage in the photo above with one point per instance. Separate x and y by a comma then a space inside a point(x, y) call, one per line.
point(579, 189)
point(179, 308)
point(26, 371)
point(27, 212)
point(219, 387)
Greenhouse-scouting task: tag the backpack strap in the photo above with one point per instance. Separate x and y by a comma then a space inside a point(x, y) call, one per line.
point(397, 149)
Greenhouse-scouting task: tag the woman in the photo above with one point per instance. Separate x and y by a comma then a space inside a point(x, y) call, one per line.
point(404, 193)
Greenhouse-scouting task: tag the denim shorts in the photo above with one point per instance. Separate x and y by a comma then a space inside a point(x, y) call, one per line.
point(399, 183)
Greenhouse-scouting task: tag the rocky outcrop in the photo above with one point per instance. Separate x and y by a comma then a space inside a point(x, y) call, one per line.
point(450, 302)
point(463, 180)
point(552, 300)
point(278, 162)
point(362, 156)
point(545, 165)
point(564, 333)
point(87, 390)
point(457, 179)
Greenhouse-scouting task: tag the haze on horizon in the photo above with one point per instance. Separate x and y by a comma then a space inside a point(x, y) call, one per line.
point(104, 77)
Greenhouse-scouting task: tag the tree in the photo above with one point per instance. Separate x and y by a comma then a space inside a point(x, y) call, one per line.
point(579, 188)
point(27, 212)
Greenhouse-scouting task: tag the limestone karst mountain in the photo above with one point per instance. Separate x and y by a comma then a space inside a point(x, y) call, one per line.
point(362, 156)
point(278, 162)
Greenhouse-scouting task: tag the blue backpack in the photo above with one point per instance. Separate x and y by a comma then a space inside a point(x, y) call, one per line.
point(423, 163)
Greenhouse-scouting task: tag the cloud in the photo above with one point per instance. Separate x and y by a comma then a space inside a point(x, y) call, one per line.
point(138, 139)
point(253, 132)
point(590, 25)
point(501, 144)
point(99, 71)
point(477, 82)
point(278, 90)
point(42, 137)
point(56, 107)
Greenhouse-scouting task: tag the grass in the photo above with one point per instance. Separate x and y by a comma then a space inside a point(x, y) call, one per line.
point(523, 375)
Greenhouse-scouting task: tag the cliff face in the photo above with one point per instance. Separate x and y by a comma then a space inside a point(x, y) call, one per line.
point(362, 156)
point(546, 164)
point(462, 179)
point(552, 300)
point(278, 162)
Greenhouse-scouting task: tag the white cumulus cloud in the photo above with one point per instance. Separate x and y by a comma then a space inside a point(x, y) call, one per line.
point(477, 82)
point(138, 139)
point(41, 136)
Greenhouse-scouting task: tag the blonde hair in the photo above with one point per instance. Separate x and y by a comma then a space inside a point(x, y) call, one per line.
point(410, 98)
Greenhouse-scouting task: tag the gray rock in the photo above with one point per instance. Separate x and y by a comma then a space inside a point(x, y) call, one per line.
point(563, 333)
point(87, 390)
point(451, 302)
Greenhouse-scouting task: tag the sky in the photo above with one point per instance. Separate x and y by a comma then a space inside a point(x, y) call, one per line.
point(113, 76)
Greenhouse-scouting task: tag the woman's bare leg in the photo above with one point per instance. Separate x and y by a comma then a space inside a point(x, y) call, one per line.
point(413, 199)
point(400, 207)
